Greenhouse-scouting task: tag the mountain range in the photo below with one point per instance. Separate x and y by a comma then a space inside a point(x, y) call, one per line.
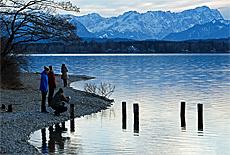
point(211, 30)
point(199, 23)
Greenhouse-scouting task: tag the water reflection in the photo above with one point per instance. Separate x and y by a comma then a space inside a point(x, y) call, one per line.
point(51, 140)
point(200, 133)
point(44, 147)
point(55, 140)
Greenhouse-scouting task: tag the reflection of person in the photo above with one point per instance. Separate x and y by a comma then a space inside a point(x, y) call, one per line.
point(44, 148)
point(51, 143)
point(64, 76)
point(44, 87)
point(57, 103)
point(56, 136)
point(52, 84)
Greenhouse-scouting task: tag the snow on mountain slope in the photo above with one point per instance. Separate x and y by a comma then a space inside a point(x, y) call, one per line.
point(215, 29)
point(149, 25)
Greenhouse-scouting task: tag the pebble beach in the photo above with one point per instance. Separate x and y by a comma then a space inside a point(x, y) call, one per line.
point(27, 117)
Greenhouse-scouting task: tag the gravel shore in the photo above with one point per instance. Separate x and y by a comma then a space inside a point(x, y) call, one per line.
point(27, 117)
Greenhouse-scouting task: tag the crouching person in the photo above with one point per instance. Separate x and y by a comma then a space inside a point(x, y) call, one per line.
point(57, 103)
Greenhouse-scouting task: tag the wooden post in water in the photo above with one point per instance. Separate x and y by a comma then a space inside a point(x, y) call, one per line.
point(136, 117)
point(10, 108)
point(182, 114)
point(123, 115)
point(72, 125)
point(200, 116)
point(3, 106)
point(72, 111)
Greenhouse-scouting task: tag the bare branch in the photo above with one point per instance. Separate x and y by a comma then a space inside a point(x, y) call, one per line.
point(33, 19)
point(105, 89)
point(24, 21)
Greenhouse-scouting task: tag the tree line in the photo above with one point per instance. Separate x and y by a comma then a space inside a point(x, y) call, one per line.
point(130, 47)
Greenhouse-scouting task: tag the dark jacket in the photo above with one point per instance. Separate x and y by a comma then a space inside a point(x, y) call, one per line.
point(57, 100)
point(44, 82)
point(64, 71)
point(51, 79)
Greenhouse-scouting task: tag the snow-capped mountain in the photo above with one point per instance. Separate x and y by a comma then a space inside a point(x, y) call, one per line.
point(141, 26)
point(215, 29)
point(81, 29)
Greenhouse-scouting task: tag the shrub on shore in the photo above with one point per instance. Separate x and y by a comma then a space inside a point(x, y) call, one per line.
point(10, 70)
point(104, 89)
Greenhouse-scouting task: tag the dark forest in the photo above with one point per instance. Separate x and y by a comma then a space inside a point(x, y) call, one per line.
point(130, 47)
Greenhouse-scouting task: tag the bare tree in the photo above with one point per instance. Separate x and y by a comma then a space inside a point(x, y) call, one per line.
point(105, 89)
point(25, 21)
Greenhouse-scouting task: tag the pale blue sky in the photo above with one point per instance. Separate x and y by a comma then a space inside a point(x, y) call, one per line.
point(109, 8)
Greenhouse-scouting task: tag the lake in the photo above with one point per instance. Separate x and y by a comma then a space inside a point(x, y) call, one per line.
point(158, 83)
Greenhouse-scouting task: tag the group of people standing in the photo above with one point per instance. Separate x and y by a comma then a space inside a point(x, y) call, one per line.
point(48, 80)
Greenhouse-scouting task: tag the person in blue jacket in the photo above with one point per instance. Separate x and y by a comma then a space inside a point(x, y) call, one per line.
point(44, 87)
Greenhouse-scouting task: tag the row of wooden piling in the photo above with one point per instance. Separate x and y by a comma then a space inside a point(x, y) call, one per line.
point(200, 116)
point(182, 115)
point(136, 116)
point(10, 109)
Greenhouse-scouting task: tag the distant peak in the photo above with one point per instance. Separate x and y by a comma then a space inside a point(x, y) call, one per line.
point(129, 12)
point(202, 8)
point(94, 14)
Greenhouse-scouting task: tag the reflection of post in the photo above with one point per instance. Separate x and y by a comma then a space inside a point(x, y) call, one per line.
point(63, 126)
point(44, 147)
point(72, 125)
point(43, 137)
point(72, 111)
point(182, 114)
point(200, 116)
point(123, 115)
point(72, 117)
point(51, 129)
point(136, 117)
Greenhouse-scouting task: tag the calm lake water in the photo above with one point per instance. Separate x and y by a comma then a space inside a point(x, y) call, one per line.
point(158, 83)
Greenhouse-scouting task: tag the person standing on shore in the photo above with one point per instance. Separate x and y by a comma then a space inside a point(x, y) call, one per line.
point(52, 84)
point(57, 103)
point(64, 76)
point(44, 87)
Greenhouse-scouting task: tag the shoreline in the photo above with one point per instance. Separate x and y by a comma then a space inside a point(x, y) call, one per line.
point(122, 54)
point(27, 117)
